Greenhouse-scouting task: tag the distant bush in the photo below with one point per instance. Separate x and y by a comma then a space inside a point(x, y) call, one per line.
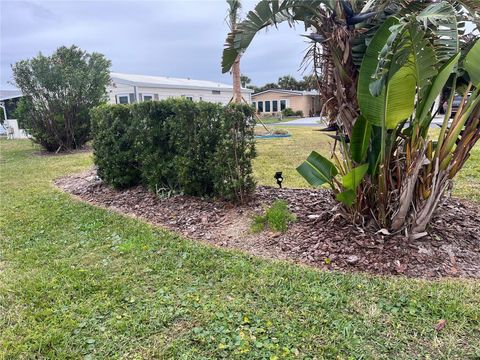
point(277, 217)
point(288, 112)
point(200, 149)
point(299, 113)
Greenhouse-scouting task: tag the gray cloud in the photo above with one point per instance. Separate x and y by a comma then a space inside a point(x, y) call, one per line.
point(172, 38)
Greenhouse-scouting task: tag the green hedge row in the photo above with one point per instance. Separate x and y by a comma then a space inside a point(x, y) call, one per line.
point(197, 148)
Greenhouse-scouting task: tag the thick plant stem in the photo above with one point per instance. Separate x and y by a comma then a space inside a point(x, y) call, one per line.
point(424, 216)
point(448, 113)
point(407, 191)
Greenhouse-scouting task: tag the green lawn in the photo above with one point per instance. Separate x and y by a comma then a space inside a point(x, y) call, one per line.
point(81, 282)
point(274, 119)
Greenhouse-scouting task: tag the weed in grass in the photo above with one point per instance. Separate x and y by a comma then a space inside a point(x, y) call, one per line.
point(276, 218)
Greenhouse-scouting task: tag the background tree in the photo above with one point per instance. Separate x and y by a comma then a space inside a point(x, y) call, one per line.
point(245, 80)
point(60, 90)
point(288, 82)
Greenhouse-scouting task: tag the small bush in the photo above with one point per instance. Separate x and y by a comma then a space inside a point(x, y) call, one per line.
point(299, 113)
point(277, 218)
point(177, 146)
point(288, 112)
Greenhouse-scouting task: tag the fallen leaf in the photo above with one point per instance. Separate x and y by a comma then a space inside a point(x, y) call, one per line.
point(440, 325)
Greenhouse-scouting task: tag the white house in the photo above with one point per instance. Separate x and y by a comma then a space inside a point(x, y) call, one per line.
point(128, 88)
point(8, 104)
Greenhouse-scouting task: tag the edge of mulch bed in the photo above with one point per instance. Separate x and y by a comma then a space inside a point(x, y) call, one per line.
point(319, 238)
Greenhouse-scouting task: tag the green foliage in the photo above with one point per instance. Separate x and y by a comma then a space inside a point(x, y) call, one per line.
point(471, 64)
point(288, 112)
point(318, 170)
point(194, 148)
point(403, 71)
point(277, 218)
point(234, 153)
point(360, 141)
point(299, 113)
point(115, 155)
point(59, 92)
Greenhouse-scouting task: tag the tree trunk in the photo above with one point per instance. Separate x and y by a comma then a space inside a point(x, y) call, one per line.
point(237, 86)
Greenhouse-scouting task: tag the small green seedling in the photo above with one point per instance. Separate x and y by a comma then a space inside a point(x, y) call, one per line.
point(277, 218)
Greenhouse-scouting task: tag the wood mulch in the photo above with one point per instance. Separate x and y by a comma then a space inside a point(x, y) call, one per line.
point(319, 238)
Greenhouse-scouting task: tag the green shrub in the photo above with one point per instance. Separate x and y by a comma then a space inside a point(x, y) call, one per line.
point(299, 113)
point(234, 153)
point(115, 154)
point(288, 112)
point(200, 149)
point(277, 218)
point(60, 90)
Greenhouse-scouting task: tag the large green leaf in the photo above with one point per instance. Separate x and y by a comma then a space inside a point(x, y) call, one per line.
point(472, 64)
point(347, 197)
point(354, 177)
point(396, 101)
point(360, 139)
point(434, 90)
point(317, 170)
point(441, 19)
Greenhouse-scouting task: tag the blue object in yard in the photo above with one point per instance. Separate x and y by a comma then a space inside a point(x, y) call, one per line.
point(270, 136)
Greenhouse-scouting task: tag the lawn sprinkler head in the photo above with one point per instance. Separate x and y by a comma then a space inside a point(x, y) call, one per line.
point(278, 176)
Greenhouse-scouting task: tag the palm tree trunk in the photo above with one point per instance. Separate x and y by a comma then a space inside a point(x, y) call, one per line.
point(237, 86)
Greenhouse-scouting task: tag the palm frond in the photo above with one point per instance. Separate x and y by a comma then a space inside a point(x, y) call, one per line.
point(268, 13)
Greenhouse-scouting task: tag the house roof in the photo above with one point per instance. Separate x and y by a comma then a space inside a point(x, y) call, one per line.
point(10, 94)
point(289, 92)
point(169, 82)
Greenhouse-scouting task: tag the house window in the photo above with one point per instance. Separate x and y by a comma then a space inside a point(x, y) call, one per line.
point(123, 99)
point(260, 106)
point(274, 105)
point(216, 92)
point(189, 98)
point(283, 104)
point(147, 97)
point(267, 106)
point(254, 104)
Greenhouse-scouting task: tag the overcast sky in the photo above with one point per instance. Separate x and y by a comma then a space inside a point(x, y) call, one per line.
point(179, 38)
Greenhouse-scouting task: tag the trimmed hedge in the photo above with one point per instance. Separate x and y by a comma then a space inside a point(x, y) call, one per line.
point(200, 149)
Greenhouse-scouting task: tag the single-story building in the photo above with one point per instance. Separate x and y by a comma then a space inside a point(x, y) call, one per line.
point(273, 101)
point(8, 104)
point(128, 88)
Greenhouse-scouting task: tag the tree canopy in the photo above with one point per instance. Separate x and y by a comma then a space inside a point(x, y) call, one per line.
point(59, 92)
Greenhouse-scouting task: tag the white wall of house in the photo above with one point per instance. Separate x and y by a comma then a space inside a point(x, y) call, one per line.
point(123, 91)
point(13, 131)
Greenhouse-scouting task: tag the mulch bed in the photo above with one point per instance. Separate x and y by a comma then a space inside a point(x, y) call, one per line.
point(319, 238)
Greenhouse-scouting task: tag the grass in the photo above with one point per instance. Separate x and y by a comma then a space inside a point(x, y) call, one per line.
point(285, 154)
point(77, 281)
point(274, 119)
point(277, 218)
